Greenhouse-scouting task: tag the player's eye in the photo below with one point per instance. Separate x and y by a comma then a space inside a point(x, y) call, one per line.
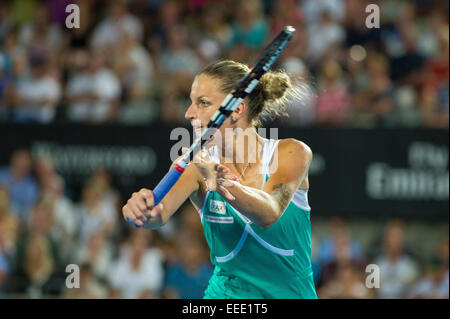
point(205, 103)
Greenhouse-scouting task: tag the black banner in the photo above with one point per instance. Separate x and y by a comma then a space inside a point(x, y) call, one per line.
point(355, 172)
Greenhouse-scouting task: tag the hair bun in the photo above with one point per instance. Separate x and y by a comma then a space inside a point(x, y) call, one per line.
point(274, 85)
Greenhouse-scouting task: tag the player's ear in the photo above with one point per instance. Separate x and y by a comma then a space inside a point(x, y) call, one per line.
point(240, 111)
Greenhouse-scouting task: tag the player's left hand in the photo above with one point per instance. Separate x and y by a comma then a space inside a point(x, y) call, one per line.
point(218, 178)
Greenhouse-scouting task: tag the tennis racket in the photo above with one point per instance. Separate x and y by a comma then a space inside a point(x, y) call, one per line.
point(228, 106)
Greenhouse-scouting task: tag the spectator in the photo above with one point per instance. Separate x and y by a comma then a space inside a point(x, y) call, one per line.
point(9, 231)
point(140, 107)
point(109, 32)
point(343, 258)
point(4, 269)
point(35, 274)
point(22, 187)
point(14, 55)
point(95, 212)
point(98, 253)
point(348, 284)
point(215, 33)
point(189, 277)
point(134, 67)
point(36, 98)
point(6, 85)
point(178, 59)
point(332, 105)
point(93, 92)
point(315, 8)
point(52, 188)
point(138, 271)
point(110, 196)
point(132, 64)
point(9, 225)
point(36, 264)
point(90, 287)
point(435, 285)
point(37, 267)
point(338, 233)
point(397, 269)
point(249, 28)
point(40, 33)
point(375, 99)
point(5, 19)
point(434, 96)
point(180, 64)
point(323, 35)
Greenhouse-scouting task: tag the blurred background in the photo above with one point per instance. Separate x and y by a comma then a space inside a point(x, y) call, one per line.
point(86, 116)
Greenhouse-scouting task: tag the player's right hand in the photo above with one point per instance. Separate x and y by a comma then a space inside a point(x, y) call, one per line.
point(140, 208)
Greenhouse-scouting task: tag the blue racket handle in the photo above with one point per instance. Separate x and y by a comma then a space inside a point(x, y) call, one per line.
point(132, 223)
point(164, 186)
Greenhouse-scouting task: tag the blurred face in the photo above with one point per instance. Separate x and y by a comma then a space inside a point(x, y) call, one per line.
point(177, 37)
point(444, 250)
point(79, 60)
point(44, 169)
point(4, 200)
point(96, 241)
point(95, 63)
point(34, 252)
point(343, 252)
point(394, 240)
point(41, 219)
point(117, 10)
point(140, 240)
point(41, 16)
point(91, 195)
point(21, 163)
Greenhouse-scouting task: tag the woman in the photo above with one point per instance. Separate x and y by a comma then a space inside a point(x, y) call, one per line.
point(258, 225)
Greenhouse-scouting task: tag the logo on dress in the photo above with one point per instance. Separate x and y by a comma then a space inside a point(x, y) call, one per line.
point(217, 207)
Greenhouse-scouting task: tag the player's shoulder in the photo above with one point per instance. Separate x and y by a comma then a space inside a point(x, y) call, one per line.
point(294, 148)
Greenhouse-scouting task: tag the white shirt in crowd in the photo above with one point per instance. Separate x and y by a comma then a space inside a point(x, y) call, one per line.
point(91, 222)
point(34, 90)
point(103, 83)
point(109, 31)
point(428, 288)
point(130, 282)
point(395, 277)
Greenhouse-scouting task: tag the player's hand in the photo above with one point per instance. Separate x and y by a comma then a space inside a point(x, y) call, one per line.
point(140, 207)
point(218, 178)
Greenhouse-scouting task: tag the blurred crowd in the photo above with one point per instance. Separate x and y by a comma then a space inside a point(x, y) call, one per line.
point(43, 231)
point(132, 62)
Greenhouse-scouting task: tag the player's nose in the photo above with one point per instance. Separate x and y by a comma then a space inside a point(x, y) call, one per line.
point(191, 113)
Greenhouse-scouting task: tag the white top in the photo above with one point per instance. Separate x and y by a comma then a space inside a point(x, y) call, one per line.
point(130, 282)
point(269, 166)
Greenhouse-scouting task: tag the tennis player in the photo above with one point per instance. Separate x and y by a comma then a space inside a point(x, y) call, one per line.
point(255, 212)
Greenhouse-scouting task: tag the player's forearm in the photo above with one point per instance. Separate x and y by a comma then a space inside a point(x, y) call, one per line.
point(257, 205)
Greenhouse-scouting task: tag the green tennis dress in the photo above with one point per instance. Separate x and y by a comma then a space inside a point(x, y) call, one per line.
point(252, 262)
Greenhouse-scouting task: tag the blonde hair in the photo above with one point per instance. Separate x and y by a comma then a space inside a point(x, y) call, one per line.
point(46, 267)
point(269, 98)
